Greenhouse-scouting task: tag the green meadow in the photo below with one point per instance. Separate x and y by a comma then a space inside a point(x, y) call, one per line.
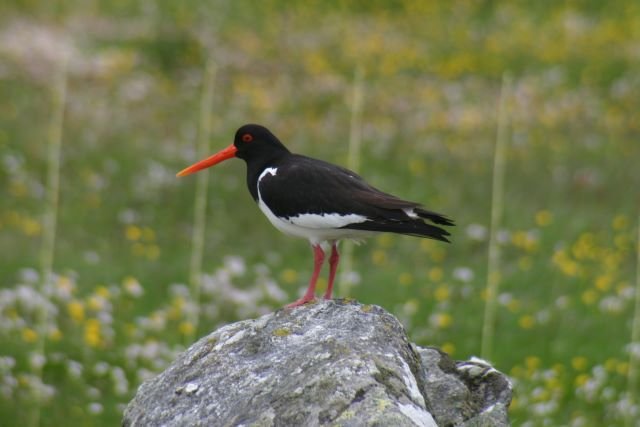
point(99, 289)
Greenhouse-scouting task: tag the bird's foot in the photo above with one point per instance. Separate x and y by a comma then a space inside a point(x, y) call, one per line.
point(302, 301)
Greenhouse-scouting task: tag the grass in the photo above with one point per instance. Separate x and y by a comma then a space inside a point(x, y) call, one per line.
point(632, 380)
point(346, 279)
point(200, 202)
point(120, 301)
point(52, 196)
point(497, 209)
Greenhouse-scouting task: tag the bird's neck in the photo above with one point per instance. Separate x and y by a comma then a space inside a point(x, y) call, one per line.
point(255, 167)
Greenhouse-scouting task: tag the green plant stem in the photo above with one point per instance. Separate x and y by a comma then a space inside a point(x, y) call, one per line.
point(200, 201)
point(632, 378)
point(353, 163)
point(50, 214)
point(497, 207)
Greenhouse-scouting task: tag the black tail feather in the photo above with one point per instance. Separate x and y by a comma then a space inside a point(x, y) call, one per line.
point(434, 217)
point(416, 228)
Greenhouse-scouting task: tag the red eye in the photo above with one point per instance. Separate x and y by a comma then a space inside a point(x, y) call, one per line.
point(247, 137)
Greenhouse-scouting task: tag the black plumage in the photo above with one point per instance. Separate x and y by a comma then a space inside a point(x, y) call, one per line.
point(306, 185)
point(319, 201)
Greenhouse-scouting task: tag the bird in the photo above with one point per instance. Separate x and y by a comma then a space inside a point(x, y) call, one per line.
point(319, 201)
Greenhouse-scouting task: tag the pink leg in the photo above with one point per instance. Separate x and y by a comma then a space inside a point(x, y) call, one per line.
point(310, 295)
point(333, 266)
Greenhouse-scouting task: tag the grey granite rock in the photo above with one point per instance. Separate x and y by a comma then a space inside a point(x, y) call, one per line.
point(335, 363)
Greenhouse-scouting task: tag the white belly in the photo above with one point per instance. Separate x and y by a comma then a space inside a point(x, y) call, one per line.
point(323, 230)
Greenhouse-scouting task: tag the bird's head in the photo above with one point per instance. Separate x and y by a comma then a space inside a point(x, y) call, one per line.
point(252, 142)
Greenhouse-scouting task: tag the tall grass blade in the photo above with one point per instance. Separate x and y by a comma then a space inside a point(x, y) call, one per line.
point(50, 215)
point(200, 202)
point(634, 345)
point(353, 163)
point(497, 207)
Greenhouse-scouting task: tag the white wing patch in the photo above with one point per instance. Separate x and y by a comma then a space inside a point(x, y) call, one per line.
point(326, 220)
point(410, 212)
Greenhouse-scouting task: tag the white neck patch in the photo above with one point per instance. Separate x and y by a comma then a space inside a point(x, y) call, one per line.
point(271, 171)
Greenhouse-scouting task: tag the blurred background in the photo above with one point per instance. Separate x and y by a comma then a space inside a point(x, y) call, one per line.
point(410, 94)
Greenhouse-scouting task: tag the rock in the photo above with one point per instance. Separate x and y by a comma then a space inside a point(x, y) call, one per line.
point(337, 363)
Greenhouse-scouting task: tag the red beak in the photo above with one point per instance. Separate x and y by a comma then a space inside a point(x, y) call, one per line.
point(220, 156)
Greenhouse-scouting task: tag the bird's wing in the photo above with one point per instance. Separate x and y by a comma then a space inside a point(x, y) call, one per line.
point(322, 195)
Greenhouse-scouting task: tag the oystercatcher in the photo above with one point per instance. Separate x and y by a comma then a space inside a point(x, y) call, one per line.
point(319, 201)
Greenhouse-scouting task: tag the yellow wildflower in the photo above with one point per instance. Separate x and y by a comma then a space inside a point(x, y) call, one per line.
point(95, 303)
point(379, 257)
point(611, 364)
point(448, 348)
point(568, 266)
point(603, 283)
point(103, 292)
point(585, 247)
point(443, 320)
point(55, 334)
point(133, 233)
point(177, 307)
point(441, 293)
point(132, 286)
point(579, 363)
point(92, 333)
point(620, 222)
point(435, 274)
point(612, 260)
point(514, 403)
point(519, 239)
point(532, 362)
point(622, 368)
point(186, 328)
point(75, 309)
point(527, 321)
point(289, 276)
point(64, 284)
point(29, 335)
point(553, 383)
point(513, 305)
point(581, 380)
point(544, 218)
point(31, 227)
point(153, 252)
point(316, 63)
